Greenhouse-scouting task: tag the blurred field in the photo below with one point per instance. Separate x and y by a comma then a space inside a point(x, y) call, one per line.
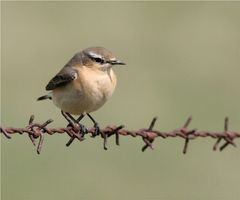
point(183, 59)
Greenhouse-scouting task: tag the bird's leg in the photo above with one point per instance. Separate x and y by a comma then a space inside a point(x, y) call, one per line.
point(69, 118)
point(97, 129)
point(80, 118)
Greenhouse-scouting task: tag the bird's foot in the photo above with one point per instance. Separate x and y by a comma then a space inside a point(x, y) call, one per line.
point(79, 130)
point(84, 130)
point(96, 131)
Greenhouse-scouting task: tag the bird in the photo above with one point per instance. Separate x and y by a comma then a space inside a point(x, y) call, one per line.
point(84, 84)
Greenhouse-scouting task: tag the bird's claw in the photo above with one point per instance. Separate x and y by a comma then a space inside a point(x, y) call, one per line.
point(80, 128)
point(83, 129)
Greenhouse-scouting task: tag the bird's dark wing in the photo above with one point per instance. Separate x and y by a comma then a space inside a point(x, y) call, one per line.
point(66, 75)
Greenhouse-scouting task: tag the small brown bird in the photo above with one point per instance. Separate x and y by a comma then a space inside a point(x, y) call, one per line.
point(84, 84)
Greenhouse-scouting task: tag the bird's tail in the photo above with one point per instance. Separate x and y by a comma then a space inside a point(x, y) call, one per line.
point(47, 96)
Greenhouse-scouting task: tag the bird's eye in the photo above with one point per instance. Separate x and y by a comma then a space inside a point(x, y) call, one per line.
point(99, 60)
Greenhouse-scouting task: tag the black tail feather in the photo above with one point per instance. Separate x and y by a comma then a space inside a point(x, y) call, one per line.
point(44, 97)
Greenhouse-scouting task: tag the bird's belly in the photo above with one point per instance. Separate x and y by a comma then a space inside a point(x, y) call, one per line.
point(84, 99)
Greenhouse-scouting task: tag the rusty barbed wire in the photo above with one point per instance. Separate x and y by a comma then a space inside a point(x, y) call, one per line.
point(74, 130)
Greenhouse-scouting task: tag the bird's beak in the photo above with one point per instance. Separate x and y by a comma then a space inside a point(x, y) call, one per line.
point(117, 62)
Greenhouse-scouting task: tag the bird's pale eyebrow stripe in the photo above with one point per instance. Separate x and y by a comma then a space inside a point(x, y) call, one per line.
point(94, 55)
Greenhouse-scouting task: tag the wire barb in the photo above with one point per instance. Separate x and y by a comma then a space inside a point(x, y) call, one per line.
point(75, 130)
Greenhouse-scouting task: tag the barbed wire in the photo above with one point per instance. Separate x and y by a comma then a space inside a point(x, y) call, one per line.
point(75, 131)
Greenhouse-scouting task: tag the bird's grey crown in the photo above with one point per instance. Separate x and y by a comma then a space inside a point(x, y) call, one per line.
point(99, 52)
point(91, 53)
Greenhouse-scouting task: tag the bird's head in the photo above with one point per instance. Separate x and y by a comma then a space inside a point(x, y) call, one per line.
point(100, 58)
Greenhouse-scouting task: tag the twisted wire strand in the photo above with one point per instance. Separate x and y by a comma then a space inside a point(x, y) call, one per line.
point(74, 130)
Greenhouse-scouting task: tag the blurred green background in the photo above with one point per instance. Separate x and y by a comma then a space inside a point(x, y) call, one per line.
point(183, 59)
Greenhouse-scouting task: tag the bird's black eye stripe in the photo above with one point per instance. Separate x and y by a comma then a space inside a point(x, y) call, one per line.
point(98, 60)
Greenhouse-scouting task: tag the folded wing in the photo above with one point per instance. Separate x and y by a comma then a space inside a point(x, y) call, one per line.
point(66, 75)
